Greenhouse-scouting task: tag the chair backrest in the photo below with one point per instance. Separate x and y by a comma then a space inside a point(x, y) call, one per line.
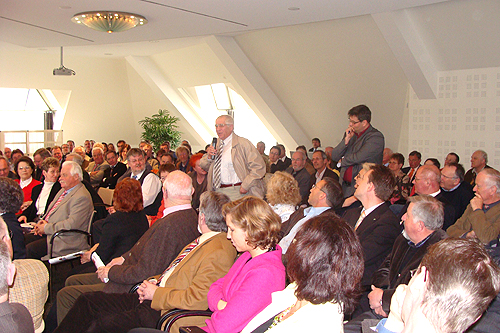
point(106, 195)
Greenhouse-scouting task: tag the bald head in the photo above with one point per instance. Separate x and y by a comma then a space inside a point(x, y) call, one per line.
point(178, 186)
point(427, 180)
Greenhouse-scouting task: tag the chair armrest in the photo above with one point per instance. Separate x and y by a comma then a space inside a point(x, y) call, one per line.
point(134, 288)
point(172, 316)
point(64, 231)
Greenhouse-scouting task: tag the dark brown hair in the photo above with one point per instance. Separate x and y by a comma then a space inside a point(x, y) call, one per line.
point(27, 160)
point(383, 180)
point(128, 196)
point(257, 219)
point(325, 260)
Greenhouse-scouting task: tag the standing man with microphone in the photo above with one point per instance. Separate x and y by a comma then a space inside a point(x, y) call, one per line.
point(234, 165)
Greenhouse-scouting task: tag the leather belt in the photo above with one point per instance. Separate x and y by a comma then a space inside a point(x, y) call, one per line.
point(229, 185)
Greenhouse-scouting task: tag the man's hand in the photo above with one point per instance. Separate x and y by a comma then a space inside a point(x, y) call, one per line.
point(349, 133)
point(22, 219)
point(375, 297)
point(40, 228)
point(476, 202)
point(242, 190)
point(211, 151)
point(111, 210)
point(102, 272)
point(116, 261)
point(380, 312)
point(146, 291)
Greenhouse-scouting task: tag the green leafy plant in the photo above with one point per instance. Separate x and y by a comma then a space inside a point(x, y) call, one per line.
point(159, 128)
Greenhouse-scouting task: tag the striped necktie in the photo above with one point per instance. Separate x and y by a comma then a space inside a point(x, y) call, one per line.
point(181, 256)
point(361, 218)
point(61, 197)
point(218, 166)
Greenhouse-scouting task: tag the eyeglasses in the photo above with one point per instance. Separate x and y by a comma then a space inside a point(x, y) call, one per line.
point(445, 176)
point(319, 188)
point(24, 168)
point(352, 122)
point(297, 159)
point(220, 125)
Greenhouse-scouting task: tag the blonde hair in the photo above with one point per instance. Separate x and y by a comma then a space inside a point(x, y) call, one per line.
point(282, 188)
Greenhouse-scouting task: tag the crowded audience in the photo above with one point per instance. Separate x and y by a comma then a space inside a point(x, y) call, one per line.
point(338, 239)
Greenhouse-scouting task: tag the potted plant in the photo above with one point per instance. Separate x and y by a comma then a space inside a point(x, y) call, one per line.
point(159, 128)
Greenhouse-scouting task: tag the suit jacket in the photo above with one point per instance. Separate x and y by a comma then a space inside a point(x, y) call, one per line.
point(470, 176)
point(247, 163)
point(485, 225)
point(111, 175)
point(376, 234)
point(187, 287)
point(368, 147)
point(406, 170)
point(31, 211)
point(154, 251)
point(73, 212)
point(327, 174)
point(96, 179)
point(304, 179)
point(17, 238)
point(396, 268)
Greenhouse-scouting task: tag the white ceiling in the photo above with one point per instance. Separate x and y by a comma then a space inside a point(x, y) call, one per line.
point(45, 25)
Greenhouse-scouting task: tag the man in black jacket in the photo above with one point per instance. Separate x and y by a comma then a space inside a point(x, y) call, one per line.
point(423, 223)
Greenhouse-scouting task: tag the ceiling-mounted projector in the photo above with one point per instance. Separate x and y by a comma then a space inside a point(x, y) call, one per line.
point(63, 70)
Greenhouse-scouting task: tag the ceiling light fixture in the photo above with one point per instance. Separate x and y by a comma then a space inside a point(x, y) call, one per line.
point(109, 21)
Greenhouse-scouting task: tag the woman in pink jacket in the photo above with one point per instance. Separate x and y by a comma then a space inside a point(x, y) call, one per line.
point(246, 289)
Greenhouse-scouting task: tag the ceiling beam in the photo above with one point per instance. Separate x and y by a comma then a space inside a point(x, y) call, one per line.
point(250, 84)
point(410, 50)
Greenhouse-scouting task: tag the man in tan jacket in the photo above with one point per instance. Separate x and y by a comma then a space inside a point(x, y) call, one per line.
point(240, 165)
point(184, 284)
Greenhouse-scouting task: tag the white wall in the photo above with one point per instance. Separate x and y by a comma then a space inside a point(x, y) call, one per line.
point(464, 118)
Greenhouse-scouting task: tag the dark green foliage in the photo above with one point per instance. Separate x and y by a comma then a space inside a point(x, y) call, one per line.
point(159, 128)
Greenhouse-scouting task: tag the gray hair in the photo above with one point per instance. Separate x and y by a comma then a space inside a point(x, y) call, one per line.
point(75, 169)
point(228, 120)
point(5, 262)
point(75, 158)
point(429, 210)
point(302, 153)
point(97, 148)
point(484, 155)
point(211, 203)
point(323, 154)
point(5, 159)
point(492, 178)
point(178, 185)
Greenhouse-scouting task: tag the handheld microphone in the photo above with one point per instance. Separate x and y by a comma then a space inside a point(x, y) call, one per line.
point(214, 144)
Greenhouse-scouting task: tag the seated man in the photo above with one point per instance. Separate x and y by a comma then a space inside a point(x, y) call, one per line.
point(324, 198)
point(184, 284)
point(14, 317)
point(458, 192)
point(481, 219)
point(422, 223)
point(150, 183)
point(97, 167)
point(442, 297)
point(114, 172)
point(376, 225)
point(70, 209)
point(299, 172)
point(150, 255)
